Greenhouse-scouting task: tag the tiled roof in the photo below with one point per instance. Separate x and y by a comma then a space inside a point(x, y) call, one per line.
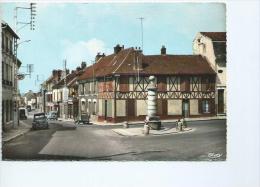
point(70, 79)
point(215, 36)
point(123, 63)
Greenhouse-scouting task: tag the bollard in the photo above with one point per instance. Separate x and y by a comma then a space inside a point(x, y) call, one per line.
point(146, 129)
point(126, 125)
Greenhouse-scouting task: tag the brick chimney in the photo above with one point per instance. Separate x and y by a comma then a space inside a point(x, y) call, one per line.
point(138, 59)
point(98, 56)
point(163, 50)
point(118, 48)
point(83, 65)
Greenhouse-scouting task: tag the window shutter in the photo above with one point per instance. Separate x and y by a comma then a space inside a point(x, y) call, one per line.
point(182, 84)
point(212, 106)
point(200, 106)
point(124, 84)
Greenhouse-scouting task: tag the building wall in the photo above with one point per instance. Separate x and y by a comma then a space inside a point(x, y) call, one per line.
point(209, 53)
point(141, 106)
point(9, 84)
point(194, 109)
point(120, 108)
point(174, 107)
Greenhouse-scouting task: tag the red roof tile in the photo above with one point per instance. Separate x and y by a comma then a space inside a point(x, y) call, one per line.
point(123, 63)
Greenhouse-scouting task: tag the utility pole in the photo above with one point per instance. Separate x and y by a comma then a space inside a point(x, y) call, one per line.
point(142, 35)
point(32, 9)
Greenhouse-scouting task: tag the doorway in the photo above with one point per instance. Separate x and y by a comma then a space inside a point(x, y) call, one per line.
point(221, 101)
point(185, 108)
point(105, 109)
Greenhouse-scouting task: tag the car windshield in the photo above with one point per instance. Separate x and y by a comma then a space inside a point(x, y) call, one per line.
point(39, 117)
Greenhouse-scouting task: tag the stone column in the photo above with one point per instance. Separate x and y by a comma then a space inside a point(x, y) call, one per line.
point(152, 120)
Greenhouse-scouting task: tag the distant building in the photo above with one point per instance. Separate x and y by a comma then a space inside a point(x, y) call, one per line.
point(65, 94)
point(30, 99)
point(9, 66)
point(47, 88)
point(115, 87)
point(212, 45)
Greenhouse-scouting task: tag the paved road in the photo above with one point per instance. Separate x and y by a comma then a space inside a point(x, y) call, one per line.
point(61, 142)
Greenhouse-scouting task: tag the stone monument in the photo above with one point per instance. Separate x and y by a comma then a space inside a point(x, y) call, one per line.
point(152, 120)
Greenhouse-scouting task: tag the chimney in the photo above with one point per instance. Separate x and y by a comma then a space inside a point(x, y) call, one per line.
point(98, 56)
point(83, 65)
point(54, 72)
point(78, 68)
point(163, 50)
point(117, 48)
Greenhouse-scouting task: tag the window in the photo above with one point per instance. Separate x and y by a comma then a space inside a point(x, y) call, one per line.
point(124, 84)
point(83, 105)
point(161, 84)
point(204, 48)
point(207, 83)
point(205, 106)
point(10, 46)
point(185, 84)
point(3, 41)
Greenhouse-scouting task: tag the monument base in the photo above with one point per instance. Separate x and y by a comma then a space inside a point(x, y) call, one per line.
point(154, 122)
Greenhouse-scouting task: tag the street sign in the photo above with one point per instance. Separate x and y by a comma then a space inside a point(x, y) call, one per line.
point(20, 76)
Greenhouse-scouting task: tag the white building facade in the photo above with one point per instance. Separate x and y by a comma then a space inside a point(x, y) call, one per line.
point(212, 45)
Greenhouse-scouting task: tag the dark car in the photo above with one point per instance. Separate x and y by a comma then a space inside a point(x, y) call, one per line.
point(83, 119)
point(39, 121)
point(29, 108)
point(22, 113)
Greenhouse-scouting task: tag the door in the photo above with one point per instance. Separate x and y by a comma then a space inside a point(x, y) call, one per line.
point(185, 108)
point(220, 101)
point(131, 107)
point(162, 107)
point(105, 109)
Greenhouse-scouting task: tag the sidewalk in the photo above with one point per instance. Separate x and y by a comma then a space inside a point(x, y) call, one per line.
point(23, 128)
point(163, 121)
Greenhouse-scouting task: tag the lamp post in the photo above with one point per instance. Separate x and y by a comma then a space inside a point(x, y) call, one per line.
point(16, 104)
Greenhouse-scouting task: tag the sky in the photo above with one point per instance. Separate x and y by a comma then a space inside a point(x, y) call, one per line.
point(77, 31)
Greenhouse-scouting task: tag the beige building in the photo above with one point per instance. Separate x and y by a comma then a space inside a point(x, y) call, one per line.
point(9, 67)
point(212, 45)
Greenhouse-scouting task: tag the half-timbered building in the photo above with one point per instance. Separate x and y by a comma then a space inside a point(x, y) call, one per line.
point(186, 85)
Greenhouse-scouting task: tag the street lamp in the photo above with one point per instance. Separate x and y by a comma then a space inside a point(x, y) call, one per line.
point(16, 107)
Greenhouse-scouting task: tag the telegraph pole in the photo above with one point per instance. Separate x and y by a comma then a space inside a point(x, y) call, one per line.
point(142, 34)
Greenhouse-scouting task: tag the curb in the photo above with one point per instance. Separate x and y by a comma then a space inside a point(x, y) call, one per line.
point(15, 136)
point(163, 121)
point(24, 131)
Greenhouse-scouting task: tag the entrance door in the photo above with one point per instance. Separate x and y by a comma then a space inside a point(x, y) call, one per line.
point(185, 108)
point(220, 101)
point(131, 107)
point(105, 109)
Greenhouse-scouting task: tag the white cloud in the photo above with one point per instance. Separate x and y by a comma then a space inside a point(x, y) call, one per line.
point(80, 51)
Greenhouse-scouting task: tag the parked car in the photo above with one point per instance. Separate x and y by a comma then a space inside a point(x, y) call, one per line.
point(39, 121)
point(22, 113)
point(52, 115)
point(29, 108)
point(83, 119)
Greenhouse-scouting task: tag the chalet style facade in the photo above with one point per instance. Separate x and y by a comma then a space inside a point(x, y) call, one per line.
point(186, 85)
point(212, 45)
